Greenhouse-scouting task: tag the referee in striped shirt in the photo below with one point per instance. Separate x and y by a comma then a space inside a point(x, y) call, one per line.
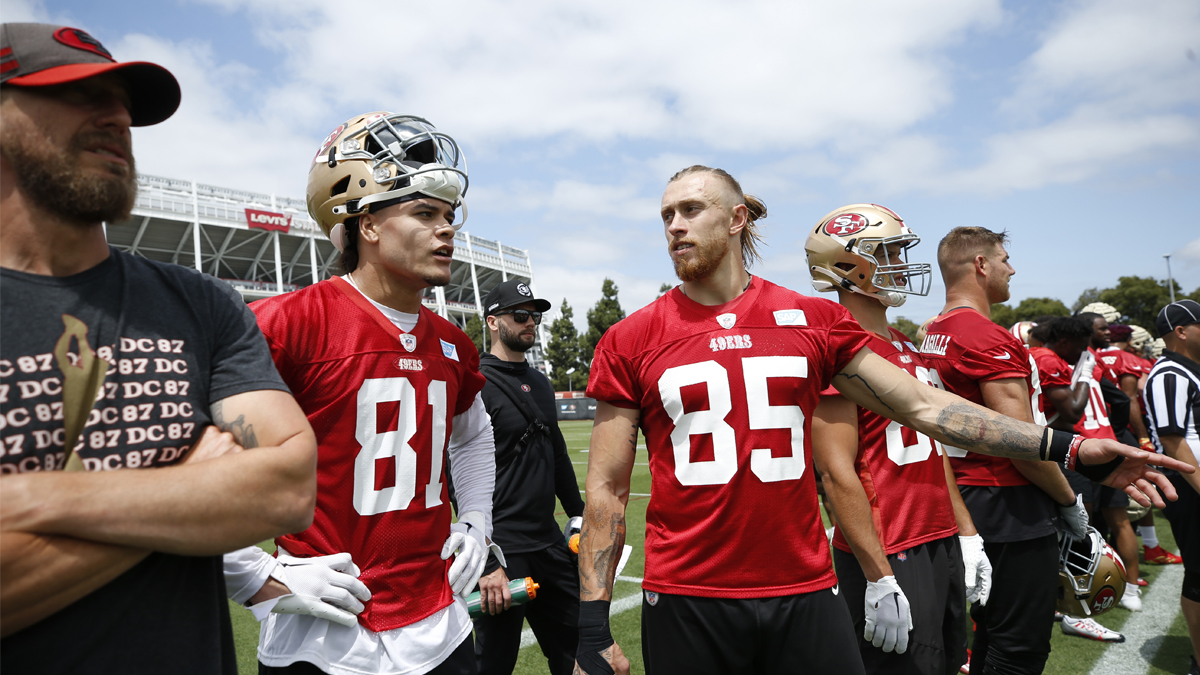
point(1173, 404)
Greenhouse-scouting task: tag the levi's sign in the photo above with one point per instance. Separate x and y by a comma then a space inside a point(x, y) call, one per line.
point(268, 220)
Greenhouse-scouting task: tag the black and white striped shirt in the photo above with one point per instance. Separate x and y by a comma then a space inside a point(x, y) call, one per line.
point(1173, 399)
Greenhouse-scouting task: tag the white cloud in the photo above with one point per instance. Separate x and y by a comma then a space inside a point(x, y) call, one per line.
point(1189, 254)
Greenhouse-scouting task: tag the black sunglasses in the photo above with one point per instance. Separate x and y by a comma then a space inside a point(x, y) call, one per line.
point(522, 315)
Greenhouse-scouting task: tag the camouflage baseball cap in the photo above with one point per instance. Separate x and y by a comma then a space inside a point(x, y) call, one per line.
point(41, 55)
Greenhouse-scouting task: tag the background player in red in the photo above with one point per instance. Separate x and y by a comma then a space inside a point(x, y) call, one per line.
point(895, 543)
point(1016, 505)
point(722, 375)
point(1124, 368)
point(1070, 400)
point(389, 388)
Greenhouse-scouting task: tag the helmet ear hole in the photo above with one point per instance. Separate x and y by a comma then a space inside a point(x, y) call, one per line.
point(340, 187)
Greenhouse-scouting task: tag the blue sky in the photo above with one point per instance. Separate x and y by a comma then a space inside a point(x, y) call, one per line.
point(1073, 125)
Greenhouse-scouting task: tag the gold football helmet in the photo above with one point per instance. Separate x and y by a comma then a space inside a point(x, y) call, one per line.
point(1104, 309)
point(1091, 576)
point(382, 157)
point(1138, 338)
point(849, 249)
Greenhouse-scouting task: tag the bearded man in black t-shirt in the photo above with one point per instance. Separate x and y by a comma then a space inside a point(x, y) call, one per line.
point(110, 361)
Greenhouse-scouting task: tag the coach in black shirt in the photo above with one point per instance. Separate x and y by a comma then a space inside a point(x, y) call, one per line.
point(1173, 404)
point(532, 468)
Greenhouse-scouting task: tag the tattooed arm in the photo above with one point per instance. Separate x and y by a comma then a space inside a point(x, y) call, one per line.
point(881, 387)
point(1010, 396)
point(196, 508)
point(610, 465)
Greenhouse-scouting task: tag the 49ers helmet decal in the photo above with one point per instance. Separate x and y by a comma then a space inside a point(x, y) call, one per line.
point(864, 248)
point(1091, 576)
point(382, 157)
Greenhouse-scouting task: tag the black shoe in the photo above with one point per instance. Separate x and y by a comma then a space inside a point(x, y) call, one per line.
point(1195, 669)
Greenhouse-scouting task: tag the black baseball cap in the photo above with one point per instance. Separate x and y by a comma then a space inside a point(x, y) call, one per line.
point(511, 293)
point(42, 55)
point(1176, 314)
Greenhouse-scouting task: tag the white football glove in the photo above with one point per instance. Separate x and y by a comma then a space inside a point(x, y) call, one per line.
point(467, 545)
point(326, 587)
point(888, 616)
point(1085, 369)
point(1074, 518)
point(978, 569)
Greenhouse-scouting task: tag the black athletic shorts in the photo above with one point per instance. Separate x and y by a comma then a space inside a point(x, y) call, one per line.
point(792, 634)
point(932, 578)
point(1184, 516)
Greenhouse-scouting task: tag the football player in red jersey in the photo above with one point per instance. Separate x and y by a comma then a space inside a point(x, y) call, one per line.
point(722, 375)
point(1124, 368)
point(1071, 401)
point(389, 388)
point(893, 486)
point(1017, 505)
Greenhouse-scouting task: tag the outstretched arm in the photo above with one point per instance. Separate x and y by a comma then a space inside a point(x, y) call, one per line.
point(877, 385)
point(835, 447)
point(1010, 396)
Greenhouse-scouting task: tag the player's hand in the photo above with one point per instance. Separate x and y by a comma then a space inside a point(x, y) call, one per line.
point(326, 587)
point(494, 596)
point(1074, 517)
point(467, 546)
point(1085, 369)
point(978, 569)
point(888, 616)
point(212, 443)
point(1134, 476)
point(615, 660)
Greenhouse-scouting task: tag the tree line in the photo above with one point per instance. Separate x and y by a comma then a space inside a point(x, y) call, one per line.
point(1138, 299)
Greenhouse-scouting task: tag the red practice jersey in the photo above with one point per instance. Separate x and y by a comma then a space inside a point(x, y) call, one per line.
point(1117, 363)
point(382, 413)
point(726, 396)
point(901, 469)
point(964, 348)
point(1056, 372)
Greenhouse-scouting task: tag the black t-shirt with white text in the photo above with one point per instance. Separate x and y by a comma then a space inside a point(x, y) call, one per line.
point(175, 342)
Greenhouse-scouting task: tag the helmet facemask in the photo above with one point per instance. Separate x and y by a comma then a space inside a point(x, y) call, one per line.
point(1080, 563)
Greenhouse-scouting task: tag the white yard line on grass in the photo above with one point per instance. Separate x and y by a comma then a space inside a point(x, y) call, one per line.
point(1144, 631)
point(618, 606)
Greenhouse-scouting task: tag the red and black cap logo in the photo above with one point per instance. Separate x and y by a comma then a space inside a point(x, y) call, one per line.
point(73, 37)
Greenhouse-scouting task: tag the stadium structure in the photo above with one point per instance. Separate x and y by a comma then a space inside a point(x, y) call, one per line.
point(264, 245)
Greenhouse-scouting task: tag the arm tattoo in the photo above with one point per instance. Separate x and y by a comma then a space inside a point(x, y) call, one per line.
point(982, 430)
point(242, 432)
point(599, 578)
point(866, 384)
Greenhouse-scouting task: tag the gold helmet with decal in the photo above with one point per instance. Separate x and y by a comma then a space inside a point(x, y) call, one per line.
point(855, 248)
point(382, 157)
point(1091, 576)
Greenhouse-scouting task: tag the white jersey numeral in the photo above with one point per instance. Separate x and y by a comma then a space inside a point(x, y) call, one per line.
point(1094, 415)
point(902, 453)
point(722, 467)
point(378, 445)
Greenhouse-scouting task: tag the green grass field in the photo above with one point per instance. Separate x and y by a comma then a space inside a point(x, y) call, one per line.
point(1071, 655)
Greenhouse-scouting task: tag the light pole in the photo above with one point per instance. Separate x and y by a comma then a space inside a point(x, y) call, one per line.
point(571, 370)
point(1170, 284)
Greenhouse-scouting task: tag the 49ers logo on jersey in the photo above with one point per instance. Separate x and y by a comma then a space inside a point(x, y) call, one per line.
point(847, 224)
